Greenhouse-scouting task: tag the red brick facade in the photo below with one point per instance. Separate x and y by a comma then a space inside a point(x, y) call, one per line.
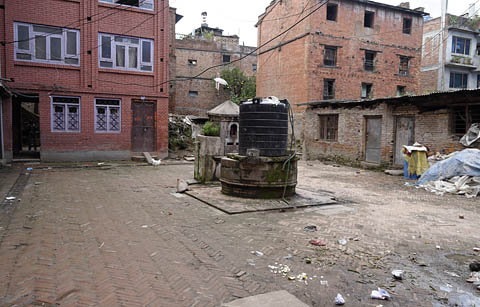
point(87, 80)
point(293, 65)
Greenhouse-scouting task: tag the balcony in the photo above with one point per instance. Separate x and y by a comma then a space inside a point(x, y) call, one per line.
point(461, 61)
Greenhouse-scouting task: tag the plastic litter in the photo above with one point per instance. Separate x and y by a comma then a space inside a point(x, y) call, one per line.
point(324, 283)
point(257, 253)
point(438, 247)
point(380, 294)
point(342, 242)
point(29, 169)
point(10, 198)
point(397, 274)
point(318, 243)
point(339, 300)
point(476, 249)
point(310, 228)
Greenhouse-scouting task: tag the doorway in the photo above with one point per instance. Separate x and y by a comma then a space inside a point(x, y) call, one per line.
point(26, 127)
point(143, 127)
point(373, 139)
point(404, 135)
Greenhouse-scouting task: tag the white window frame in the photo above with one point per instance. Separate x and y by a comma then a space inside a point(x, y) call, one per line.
point(119, 107)
point(113, 53)
point(31, 43)
point(152, 2)
point(65, 105)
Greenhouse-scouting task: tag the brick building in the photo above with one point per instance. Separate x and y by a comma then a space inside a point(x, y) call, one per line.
point(375, 130)
point(87, 77)
point(195, 53)
point(450, 57)
point(348, 49)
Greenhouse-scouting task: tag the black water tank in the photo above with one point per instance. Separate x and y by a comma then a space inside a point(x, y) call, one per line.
point(264, 126)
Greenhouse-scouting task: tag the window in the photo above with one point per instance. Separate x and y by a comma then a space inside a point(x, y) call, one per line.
point(192, 62)
point(143, 4)
point(332, 10)
point(404, 67)
point(328, 127)
point(460, 45)
point(458, 80)
point(65, 114)
point(401, 90)
point(328, 89)
point(193, 93)
point(254, 67)
point(126, 53)
point(368, 19)
point(107, 115)
point(367, 90)
point(46, 44)
point(407, 25)
point(330, 56)
point(464, 117)
point(226, 58)
point(369, 61)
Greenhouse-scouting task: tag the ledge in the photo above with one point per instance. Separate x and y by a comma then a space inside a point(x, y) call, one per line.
point(126, 72)
point(46, 65)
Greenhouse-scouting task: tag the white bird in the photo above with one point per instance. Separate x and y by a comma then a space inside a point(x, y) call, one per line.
point(219, 81)
point(156, 162)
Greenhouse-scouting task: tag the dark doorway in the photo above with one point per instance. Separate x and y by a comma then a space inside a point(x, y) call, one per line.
point(26, 127)
point(143, 127)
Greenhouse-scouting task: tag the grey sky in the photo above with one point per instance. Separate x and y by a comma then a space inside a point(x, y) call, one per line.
point(239, 17)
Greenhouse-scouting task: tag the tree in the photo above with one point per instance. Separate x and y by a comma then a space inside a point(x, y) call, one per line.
point(240, 87)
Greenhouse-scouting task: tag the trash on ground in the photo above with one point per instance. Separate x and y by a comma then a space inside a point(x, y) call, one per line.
point(29, 169)
point(476, 249)
point(474, 266)
point(438, 247)
point(241, 273)
point(339, 300)
point(288, 257)
point(189, 158)
point(453, 274)
point(342, 242)
point(144, 226)
point(394, 172)
point(472, 136)
point(308, 260)
point(257, 253)
point(10, 198)
point(324, 283)
point(182, 186)
point(398, 274)
point(251, 262)
point(474, 278)
point(380, 294)
point(310, 228)
point(459, 174)
point(318, 243)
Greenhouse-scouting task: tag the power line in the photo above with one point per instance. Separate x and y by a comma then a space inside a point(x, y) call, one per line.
point(234, 61)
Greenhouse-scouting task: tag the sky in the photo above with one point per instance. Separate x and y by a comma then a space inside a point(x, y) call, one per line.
point(239, 16)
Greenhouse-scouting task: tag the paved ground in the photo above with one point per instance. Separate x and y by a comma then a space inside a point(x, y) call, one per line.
point(120, 236)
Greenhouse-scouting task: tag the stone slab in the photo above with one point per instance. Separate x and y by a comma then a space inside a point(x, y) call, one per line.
point(236, 205)
point(273, 299)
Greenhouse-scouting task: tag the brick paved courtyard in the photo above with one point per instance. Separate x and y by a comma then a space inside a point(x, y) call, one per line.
point(120, 236)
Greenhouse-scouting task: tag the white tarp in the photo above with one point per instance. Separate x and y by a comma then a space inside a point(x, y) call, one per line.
point(459, 174)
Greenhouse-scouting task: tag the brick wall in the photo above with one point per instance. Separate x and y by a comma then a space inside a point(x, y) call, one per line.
point(206, 54)
point(431, 129)
point(296, 71)
point(88, 81)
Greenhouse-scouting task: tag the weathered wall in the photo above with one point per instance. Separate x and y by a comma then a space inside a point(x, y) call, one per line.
point(296, 71)
point(206, 54)
point(431, 128)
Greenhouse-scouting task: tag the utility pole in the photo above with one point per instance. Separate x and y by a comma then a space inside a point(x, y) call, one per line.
point(442, 45)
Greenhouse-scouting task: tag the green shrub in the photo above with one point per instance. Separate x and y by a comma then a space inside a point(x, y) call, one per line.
point(211, 129)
